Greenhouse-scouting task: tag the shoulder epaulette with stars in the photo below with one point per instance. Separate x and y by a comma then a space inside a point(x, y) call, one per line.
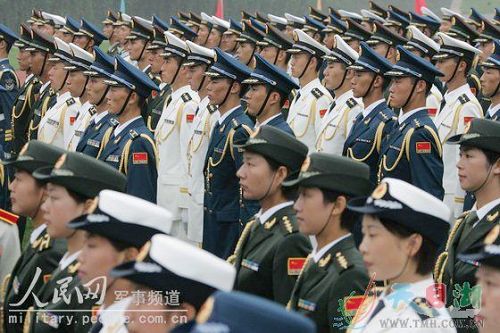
point(114, 122)
point(211, 108)
point(385, 117)
point(423, 308)
point(92, 110)
point(341, 262)
point(133, 134)
point(287, 225)
point(417, 123)
point(317, 93)
point(186, 97)
point(235, 124)
point(42, 243)
point(463, 99)
point(70, 101)
point(351, 102)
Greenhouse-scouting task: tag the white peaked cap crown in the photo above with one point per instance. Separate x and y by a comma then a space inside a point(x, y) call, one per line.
point(62, 45)
point(293, 18)
point(175, 41)
point(191, 262)
point(449, 12)
point(369, 14)
point(345, 13)
point(220, 22)
point(420, 36)
point(195, 49)
point(80, 53)
point(277, 19)
point(341, 45)
point(426, 11)
point(453, 42)
point(134, 210)
point(59, 20)
point(308, 40)
point(206, 17)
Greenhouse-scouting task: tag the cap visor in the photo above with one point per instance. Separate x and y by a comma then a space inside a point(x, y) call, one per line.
point(359, 205)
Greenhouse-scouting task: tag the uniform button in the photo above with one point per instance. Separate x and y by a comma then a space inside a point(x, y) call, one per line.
point(210, 175)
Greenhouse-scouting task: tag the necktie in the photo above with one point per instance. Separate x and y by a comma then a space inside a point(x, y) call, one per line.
point(296, 97)
point(443, 103)
point(332, 106)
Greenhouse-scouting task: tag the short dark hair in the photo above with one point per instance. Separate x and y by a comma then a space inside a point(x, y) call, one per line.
point(79, 198)
point(290, 193)
point(119, 246)
point(348, 218)
point(283, 97)
point(426, 255)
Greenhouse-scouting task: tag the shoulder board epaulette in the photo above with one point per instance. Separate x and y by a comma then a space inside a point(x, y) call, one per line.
point(317, 93)
point(70, 101)
point(417, 123)
point(235, 124)
point(351, 102)
point(186, 97)
point(42, 243)
point(133, 134)
point(114, 122)
point(92, 110)
point(8, 217)
point(423, 308)
point(491, 217)
point(211, 108)
point(341, 262)
point(287, 225)
point(463, 99)
point(386, 116)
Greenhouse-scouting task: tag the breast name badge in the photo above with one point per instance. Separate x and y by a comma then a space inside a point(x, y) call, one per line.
point(252, 265)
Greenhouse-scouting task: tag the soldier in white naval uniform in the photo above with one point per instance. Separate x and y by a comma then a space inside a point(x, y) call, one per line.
point(312, 99)
point(339, 118)
point(454, 60)
point(77, 82)
point(56, 126)
point(173, 133)
point(426, 48)
point(199, 60)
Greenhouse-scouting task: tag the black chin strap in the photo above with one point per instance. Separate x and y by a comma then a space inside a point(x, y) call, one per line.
point(496, 90)
point(479, 188)
point(103, 95)
point(87, 44)
point(251, 57)
point(326, 223)
point(268, 189)
point(64, 82)
point(454, 72)
point(201, 83)
point(276, 58)
point(208, 35)
point(342, 82)
point(85, 86)
point(142, 51)
point(305, 67)
point(369, 86)
point(411, 93)
point(43, 65)
point(176, 73)
point(227, 93)
point(263, 105)
point(125, 104)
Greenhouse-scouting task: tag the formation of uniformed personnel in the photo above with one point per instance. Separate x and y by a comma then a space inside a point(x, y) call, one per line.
point(172, 135)
point(459, 107)
point(334, 270)
point(43, 253)
point(312, 99)
point(41, 47)
point(168, 264)
point(129, 146)
point(8, 80)
point(270, 252)
point(403, 229)
point(247, 43)
point(478, 173)
point(72, 183)
point(108, 227)
point(229, 42)
point(56, 125)
point(340, 115)
point(412, 150)
point(198, 61)
point(225, 211)
point(372, 125)
point(269, 88)
point(138, 40)
point(77, 85)
point(425, 47)
point(490, 82)
point(91, 140)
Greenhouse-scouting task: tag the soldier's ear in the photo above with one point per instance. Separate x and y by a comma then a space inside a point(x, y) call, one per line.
point(496, 167)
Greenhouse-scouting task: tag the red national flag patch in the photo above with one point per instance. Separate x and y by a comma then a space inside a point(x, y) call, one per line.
point(72, 120)
point(432, 112)
point(286, 105)
point(140, 158)
point(295, 265)
point(352, 303)
point(473, 90)
point(190, 117)
point(423, 147)
point(467, 120)
point(46, 278)
point(322, 112)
